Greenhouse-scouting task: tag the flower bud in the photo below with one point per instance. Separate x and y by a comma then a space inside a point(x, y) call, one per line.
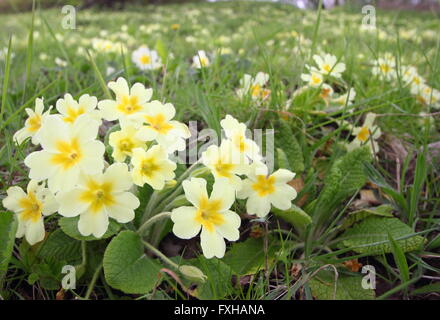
point(193, 273)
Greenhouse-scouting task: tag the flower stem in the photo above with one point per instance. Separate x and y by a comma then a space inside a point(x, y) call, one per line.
point(163, 257)
point(152, 220)
point(93, 282)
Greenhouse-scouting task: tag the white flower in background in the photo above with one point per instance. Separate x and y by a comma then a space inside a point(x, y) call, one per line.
point(102, 45)
point(411, 77)
point(221, 162)
point(128, 101)
point(210, 214)
point(328, 65)
point(367, 28)
point(159, 126)
point(60, 62)
point(254, 86)
point(314, 78)
point(190, 39)
point(262, 190)
point(31, 207)
point(368, 133)
point(67, 151)
point(224, 51)
point(200, 60)
point(124, 141)
point(385, 67)
point(70, 109)
point(428, 96)
point(109, 71)
point(32, 124)
point(4, 54)
point(43, 56)
point(146, 59)
point(96, 198)
point(152, 167)
point(345, 99)
point(236, 133)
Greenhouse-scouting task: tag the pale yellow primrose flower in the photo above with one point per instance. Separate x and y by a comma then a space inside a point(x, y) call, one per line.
point(411, 77)
point(170, 134)
point(98, 197)
point(254, 86)
point(32, 125)
point(68, 150)
point(200, 60)
point(263, 190)
point(384, 67)
point(236, 132)
point(70, 109)
point(146, 59)
point(152, 167)
point(31, 207)
point(345, 99)
point(128, 101)
point(124, 141)
point(314, 79)
point(328, 65)
point(223, 165)
point(368, 133)
point(428, 96)
point(212, 215)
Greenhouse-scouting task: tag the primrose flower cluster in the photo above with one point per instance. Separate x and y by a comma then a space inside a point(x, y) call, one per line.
point(236, 157)
point(327, 70)
point(69, 173)
point(148, 59)
point(385, 68)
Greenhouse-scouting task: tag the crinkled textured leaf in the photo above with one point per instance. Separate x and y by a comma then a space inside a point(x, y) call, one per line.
point(59, 246)
point(143, 194)
point(281, 159)
point(286, 140)
point(347, 287)
point(384, 210)
point(55, 252)
point(295, 216)
point(127, 268)
point(375, 229)
point(345, 177)
point(8, 228)
point(219, 282)
point(248, 257)
point(70, 227)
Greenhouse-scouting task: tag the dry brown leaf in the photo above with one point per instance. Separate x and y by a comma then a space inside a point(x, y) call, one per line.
point(298, 185)
point(295, 270)
point(353, 265)
point(367, 199)
point(60, 295)
point(257, 231)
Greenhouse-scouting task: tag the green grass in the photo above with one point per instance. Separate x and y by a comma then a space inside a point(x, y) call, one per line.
point(279, 40)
